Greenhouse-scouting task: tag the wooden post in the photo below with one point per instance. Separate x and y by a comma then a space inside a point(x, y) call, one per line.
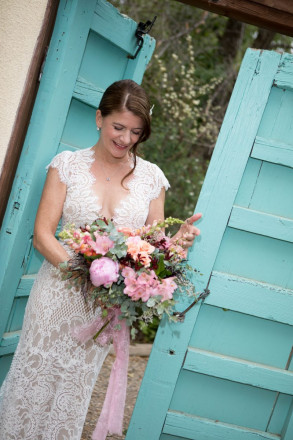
point(276, 15)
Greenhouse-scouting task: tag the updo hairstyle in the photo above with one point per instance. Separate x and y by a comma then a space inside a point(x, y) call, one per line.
point(128, 95)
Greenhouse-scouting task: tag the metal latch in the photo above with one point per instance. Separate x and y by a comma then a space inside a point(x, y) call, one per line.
point(142, 29)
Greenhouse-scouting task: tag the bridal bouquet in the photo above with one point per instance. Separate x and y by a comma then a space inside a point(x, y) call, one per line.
point(135, 271)
point(129, 275)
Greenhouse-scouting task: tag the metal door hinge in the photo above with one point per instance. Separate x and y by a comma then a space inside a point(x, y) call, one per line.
point(43, 64)
point(142, 29)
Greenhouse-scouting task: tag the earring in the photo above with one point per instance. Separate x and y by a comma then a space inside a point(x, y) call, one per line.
point(98, 128)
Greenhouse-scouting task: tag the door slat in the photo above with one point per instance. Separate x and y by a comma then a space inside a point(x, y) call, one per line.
point(239, 370)
point(249, 296)
point(194, 428)
point(258, 222)
point(273, 151)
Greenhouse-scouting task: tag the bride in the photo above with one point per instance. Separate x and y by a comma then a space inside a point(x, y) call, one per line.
point(47, 391)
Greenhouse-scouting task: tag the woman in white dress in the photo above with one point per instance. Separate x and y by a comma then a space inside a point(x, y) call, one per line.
point(46, 393)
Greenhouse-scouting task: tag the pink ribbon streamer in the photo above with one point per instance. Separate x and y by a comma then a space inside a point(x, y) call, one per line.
point(111, 417)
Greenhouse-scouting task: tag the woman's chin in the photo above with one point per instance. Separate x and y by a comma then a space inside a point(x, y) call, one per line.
point(118, 151)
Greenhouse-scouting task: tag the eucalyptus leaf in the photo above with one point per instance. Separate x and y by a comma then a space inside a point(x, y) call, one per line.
point(133, 332)
point(151, 302)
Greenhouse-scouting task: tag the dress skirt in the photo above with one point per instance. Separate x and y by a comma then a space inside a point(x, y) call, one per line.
point(47, 391)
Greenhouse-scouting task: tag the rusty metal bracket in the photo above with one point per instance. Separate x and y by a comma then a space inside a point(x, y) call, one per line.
point(202, 296)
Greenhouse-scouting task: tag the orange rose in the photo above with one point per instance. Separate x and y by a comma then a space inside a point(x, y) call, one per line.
point(139, 250)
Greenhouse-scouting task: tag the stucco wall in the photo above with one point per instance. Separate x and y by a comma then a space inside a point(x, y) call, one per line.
point(20, 24)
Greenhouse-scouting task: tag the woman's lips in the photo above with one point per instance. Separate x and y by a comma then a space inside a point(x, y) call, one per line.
point(121, 147)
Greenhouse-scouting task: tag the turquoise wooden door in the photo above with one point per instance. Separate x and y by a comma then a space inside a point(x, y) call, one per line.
point(88, 51)
point(226, 373)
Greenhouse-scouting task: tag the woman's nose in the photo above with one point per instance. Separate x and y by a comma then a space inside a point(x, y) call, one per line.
point(126, 136)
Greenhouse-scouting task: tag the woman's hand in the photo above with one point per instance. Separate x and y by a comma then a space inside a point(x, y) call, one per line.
point(187, 232)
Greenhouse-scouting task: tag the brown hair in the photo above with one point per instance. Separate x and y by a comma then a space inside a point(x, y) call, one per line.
point(128, 95)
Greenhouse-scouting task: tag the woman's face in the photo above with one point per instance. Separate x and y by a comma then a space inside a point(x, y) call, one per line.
point(119, 132)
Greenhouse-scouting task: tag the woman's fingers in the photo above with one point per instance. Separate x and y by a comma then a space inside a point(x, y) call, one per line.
point(193, 218)
point(193, 230)
point(190, 235)
point(189, 231)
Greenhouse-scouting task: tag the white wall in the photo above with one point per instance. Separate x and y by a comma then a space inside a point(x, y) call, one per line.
point(20, 24)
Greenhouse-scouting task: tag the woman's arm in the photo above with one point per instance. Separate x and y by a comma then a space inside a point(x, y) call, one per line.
point(48, 216)
point(156, 209)
point(187, 232)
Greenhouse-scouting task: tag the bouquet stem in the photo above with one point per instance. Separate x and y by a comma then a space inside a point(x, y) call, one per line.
point(101, 329)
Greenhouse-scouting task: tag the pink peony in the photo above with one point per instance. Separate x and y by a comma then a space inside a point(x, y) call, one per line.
point(104, 272)
point(102, 244)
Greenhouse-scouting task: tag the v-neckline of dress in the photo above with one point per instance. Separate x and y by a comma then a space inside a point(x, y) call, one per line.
point(93, 179)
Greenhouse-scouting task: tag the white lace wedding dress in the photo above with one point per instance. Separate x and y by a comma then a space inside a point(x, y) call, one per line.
point(48, 388)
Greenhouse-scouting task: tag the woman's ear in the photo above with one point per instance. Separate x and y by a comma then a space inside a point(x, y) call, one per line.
point(99, 119)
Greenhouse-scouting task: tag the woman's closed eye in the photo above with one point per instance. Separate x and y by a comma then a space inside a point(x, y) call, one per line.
point(119, 128)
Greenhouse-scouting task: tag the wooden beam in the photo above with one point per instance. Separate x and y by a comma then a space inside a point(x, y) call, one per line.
point(276, 15)
point(25, 108)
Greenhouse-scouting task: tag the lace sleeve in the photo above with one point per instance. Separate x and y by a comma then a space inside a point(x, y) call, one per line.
point(60, 162)
point(160, 181)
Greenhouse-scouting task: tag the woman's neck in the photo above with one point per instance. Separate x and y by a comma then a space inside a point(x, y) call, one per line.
point(106, 158)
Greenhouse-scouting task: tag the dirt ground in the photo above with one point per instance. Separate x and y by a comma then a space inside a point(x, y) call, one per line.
point(136, 369)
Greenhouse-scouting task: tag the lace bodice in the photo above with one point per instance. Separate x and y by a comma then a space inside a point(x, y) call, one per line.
point(82, 204)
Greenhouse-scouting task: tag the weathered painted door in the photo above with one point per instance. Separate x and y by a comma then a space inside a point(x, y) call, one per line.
point(226, 372)
point(88, 51)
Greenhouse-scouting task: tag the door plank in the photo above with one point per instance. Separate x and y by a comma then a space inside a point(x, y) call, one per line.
point(25, 284)
point(125, 27)
point(87, 92)
point(284, 74)
point(9, 343)
point(289, 431)
point(194, 428)
point(249, 296)
point(273, 151)
point(239, 370)
point(248, 182)
point(250, 220)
